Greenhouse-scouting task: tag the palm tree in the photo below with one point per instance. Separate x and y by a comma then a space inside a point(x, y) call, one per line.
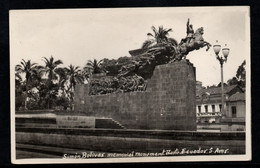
point(37, 75)
point(159, 36)
point(50, 66)
point(94, 66)
point(62, 77)
point(85, 74)
point(28, 69)
point(74, 77)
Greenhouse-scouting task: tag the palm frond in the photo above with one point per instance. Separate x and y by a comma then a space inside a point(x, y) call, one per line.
point(169, 30)
point(146, 44)
point(23, 62)
point(46, 60)
point(100, 62)
point(18, 68)
point(51, 60)
point(58, 62)
point(154, 30)
point(150, 34)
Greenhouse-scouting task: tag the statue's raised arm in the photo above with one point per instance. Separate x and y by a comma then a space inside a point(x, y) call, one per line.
point(188, 25)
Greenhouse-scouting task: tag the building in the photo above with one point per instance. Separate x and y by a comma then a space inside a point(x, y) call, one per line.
point(198, 86)
point(236, 108)
point(209, 108)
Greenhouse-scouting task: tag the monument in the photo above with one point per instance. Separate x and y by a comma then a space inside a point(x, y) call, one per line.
point(154, 89)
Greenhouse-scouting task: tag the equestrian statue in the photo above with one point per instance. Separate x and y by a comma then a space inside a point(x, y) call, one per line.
point(128, 74)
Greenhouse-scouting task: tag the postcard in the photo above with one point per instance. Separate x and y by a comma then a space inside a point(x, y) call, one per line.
point(116, 85)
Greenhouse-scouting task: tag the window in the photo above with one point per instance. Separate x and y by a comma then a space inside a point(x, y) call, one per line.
point(213, 108)
point(220, 107)
point(234, 111)
point(206, 108)
point(199, 108)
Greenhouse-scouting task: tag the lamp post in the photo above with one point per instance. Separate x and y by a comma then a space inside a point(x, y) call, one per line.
point(221, 59)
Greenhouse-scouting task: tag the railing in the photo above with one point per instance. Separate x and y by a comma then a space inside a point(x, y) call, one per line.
point(209, 114)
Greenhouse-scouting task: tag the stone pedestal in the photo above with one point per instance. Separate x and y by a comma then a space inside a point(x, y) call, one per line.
point(167, 104)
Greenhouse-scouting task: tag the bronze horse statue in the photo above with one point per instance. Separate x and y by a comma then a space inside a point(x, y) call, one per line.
point(185, 46)
point(198, 41)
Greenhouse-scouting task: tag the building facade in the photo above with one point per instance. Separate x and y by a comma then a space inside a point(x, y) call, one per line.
point(236, 108)
point(210, 113)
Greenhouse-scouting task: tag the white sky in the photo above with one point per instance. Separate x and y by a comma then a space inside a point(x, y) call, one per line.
point(78, 35)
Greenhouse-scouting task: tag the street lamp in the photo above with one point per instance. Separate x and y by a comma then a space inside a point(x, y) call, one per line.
point(221, 59)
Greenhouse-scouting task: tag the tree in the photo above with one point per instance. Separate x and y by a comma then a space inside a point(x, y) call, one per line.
point(63, 101)
point(86, 75)
point(232, 81)
point(94, 66)
point(29, 69)
point(160, 36)
point(50, 67)
point(240, 78)
point(19, 91)
point(224, 84)
point(62, 78)
point(241, 71)
point(74, 77)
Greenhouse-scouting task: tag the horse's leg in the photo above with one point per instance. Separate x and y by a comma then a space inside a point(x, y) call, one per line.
point(208, 46)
